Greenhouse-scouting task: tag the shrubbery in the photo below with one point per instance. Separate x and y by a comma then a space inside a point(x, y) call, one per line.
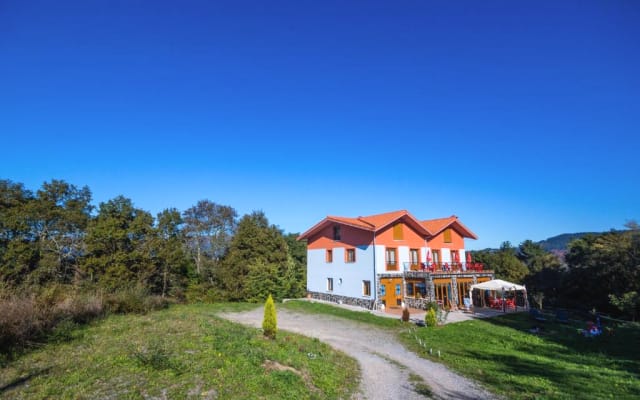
point(29, 315)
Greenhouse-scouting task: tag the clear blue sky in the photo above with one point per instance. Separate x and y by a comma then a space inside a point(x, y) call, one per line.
point(522, 118)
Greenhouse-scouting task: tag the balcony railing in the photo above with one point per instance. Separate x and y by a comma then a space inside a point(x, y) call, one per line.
point(444, 267)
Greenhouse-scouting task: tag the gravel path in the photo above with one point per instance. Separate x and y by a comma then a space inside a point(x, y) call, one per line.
point(384, 362)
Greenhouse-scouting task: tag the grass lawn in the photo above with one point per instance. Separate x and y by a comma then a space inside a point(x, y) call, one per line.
point(503, 356)
point(180, 353)
point(558, 363)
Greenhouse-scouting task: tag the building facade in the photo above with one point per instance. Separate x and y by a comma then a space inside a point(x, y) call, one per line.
point(390, 260)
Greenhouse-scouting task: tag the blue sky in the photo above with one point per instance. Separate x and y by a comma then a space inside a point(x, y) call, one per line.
point(522, 118)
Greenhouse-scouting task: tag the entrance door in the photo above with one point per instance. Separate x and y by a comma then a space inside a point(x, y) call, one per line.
point(463, 288)
point(443, 291)
point(391, 292)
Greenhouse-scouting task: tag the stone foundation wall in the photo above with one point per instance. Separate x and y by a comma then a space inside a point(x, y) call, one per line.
point(334, 298)
point(420, 304)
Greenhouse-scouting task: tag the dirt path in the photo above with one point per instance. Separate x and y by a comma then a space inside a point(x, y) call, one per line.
point(385, 363)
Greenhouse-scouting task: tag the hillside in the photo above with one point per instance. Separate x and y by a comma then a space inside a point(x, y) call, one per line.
point(560, 243)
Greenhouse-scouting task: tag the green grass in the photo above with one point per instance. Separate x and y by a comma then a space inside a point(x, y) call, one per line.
point(501, 354)
point(184, 352)
point(327, 309)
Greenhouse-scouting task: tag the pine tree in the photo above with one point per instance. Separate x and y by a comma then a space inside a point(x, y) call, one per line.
point(255, 242)
point(269, 323)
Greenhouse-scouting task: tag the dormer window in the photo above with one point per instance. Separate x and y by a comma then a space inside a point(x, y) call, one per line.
point(336, 232)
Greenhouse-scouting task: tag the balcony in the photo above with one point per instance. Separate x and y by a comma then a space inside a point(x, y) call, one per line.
point(445, 267)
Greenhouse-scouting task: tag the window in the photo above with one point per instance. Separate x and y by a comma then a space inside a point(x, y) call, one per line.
point(390, 257)
point(397, 231)
point(330, 284)
point(366, 288)
point(350, 255)
point(414, 257)
point(455, 256)
point(383, 290)
point(336, 232)
point(436, 256)
point(329, 256)
point(409, 289)
point(398, 290)
point(447, 235)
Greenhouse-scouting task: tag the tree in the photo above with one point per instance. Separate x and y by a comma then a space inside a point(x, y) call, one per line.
point(170, 257)
point(297, 267)
point(536, 258)
point(628, 303)
point(270, 321)
point(504, 262)
point(256, 242)
point(208, 230)
point(59, 216)
point(119, 247)
point(546, 271)
point(603, 267)
point(18, 255)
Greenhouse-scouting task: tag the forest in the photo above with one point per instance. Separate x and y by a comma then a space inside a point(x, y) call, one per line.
point(598, 271)
point(62, 259)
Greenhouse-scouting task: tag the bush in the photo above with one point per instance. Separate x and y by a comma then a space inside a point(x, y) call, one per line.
point(202, 293)
point(134, 300)
point(22, 320)
point(269, 323)
point(32, 314)
point(431, 305)
point(405, 314)
point(430, 318)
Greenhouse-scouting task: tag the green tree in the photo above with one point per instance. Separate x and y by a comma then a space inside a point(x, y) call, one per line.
point(297, 267)
point(208, 230)
point(59, 216)
point(536, 258)
point(256, 242)
point(546, 271)
point(119, 246)
point(169, 255)
point(601, 266)
point(504, 262)
point(628, 303)
point(18, 255)
point(270, 321)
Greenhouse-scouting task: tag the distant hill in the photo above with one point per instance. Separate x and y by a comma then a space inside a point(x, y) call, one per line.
point(559, 243)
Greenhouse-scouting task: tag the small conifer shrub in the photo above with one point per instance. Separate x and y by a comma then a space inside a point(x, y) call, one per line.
point(269, 322)
point(430, 318)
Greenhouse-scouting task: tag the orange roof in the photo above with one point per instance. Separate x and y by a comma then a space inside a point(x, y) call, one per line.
point(377, 222)
point(438, 225)
point(373, 223)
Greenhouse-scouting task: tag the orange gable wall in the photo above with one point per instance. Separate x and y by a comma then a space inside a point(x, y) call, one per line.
point(350, 237)
point(410, 238)
point(457, 241)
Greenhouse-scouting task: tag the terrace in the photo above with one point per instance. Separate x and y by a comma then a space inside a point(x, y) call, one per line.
point(445, 267)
